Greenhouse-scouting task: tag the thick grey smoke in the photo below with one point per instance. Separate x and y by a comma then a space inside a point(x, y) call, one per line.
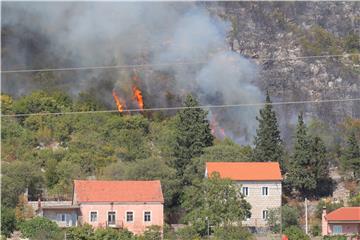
point(92, 34)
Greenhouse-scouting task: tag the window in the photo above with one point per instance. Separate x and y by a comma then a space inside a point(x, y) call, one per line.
point(147, 216)
point(93, 216)
point(337, 229)
point(111, 218)
point(265, 214)
point(245, 191)
point(265, 191)
point(62, 217)
point(129, 216)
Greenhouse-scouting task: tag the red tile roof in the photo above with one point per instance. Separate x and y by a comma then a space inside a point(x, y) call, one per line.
point(344, 214)
point(117, 191)
point(245, 171)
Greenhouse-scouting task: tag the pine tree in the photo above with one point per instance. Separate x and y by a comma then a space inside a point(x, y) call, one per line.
point(268, 143)
point(351, 156)
point(301, 175)
point(193, 134)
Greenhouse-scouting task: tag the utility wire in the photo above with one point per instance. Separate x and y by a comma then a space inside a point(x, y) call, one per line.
point(180, 108)
point(164, 64)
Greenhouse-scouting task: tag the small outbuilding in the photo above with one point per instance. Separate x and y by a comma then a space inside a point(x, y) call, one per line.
point(342, 221)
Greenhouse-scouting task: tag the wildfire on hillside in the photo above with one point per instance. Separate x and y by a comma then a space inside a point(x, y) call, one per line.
point(137, 95)
point(119, 104)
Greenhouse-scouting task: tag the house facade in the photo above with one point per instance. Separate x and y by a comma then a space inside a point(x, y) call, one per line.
point(134, 205)
point(342, 221)
point(259, 182)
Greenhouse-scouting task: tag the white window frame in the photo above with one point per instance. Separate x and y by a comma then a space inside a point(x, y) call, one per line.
point(150, 216)
point(97, 216)
point(339, 227)
point(133, 214)
point(266, 214)
point(247, 192)
point(107, 217)
point(262, 191)
point(60, 218)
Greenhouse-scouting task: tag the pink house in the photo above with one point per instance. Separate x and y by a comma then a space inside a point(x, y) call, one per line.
point(342, 221)
point(134, 205)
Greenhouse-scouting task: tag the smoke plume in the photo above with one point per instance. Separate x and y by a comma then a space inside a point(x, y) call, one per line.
point(53, 35)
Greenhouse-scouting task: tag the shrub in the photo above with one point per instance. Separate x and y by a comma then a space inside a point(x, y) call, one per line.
point(112, 234)
point(232, 233)
point(187, 233)
point(290, 217)
point(335, 238)
point(316, 230)
point(355, 201)
point(85, 232)
point(295, 233)
point(8, 221)
point(153, 233)
point(40, 228)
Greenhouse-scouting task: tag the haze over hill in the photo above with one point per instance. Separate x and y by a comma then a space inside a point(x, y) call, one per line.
point(229, 39)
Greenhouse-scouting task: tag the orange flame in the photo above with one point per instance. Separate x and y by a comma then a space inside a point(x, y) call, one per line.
point(138, 96)
point(120, 106)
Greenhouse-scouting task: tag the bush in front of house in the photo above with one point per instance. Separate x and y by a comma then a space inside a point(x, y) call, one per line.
point(232, 233)
point(152, 233)
point(84, 232)
point(113, 234)
point(39, 228)
point(295, 233)
point(338, 237)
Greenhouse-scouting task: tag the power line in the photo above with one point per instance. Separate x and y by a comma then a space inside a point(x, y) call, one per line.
point(180, 108)
point(164, 64)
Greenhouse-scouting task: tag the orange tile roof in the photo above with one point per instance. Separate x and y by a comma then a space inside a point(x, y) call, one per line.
point(117, 191)
point(245, 171)
point(344, 214)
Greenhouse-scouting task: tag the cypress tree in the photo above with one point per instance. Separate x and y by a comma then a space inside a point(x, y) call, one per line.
point(320, 166)
point(318, 159)
point(193, 134)
point(351, 157)
point(301, 175)
point(267, 142)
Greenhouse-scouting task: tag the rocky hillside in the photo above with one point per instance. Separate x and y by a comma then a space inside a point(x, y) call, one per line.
point(265, 31)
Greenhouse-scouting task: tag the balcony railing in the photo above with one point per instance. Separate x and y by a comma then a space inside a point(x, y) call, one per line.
point(116, 224)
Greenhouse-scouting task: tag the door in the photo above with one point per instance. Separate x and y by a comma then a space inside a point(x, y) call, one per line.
point(111, 218)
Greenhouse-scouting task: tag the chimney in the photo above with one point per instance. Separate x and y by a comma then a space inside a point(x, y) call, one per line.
point(39, 203)
point(26, 194)
point(324, 223)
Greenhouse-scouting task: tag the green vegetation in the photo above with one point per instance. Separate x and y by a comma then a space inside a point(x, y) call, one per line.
point(290, 217)
point(8, 221)
point(318, 41)
point(50, 151)
point(268, 144)
point(308, 167)
point(351, 156)
point(295, 233)
point(39, 228)
point(215, 201)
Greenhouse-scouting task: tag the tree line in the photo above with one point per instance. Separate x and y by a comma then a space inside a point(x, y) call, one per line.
point(44, 153)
